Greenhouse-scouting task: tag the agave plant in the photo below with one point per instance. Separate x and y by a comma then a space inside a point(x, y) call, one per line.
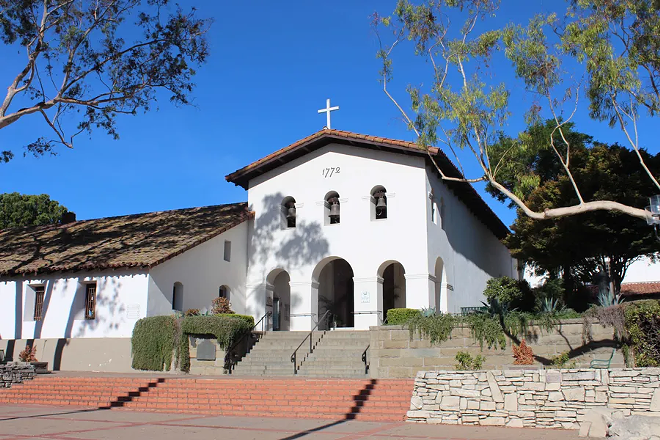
point(551, 305)
point(607, 299)
point(428, 312)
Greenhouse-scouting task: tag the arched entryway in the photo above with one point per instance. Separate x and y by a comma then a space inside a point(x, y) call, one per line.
point(440, 300)
point(334, 277)
point(278, 299)
point(394, 285)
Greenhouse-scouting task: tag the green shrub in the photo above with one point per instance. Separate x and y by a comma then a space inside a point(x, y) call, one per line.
point(247, 318)
point(152, 343)
point(158, 339)
point(466, 362)
point(401, 316)
point(642, 320)
point(510, 294)
point(562, 361)
point(225, 328)
point(437, 328)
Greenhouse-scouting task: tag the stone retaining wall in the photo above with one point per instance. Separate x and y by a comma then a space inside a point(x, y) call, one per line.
point(15, 372)
point(532, 398)
point(393, 354)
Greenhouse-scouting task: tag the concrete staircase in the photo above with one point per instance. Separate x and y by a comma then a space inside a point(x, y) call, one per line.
point(336, 354)
point(271, 355)
point(336, 399)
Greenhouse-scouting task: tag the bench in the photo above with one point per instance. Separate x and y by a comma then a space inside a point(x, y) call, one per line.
point(602, 363)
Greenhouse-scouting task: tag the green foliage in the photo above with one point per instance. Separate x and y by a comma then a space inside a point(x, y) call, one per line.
point(436, 328)
point(562, 361)
point(643, 324)
point(463, 103)
point(18, 210)
point(401, 316)
point(224, 328)
point(467, 363)
point(608, 298)
point(86, 63)
point(152, 343)
point(579, 246)
point(156, 339)
point(249, 319)
point(507, 294)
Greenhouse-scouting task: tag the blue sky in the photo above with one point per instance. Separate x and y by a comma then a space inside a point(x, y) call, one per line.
point(271, 66)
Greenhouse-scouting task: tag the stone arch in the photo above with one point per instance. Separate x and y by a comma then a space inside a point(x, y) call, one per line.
point(177, 296)
point(440, 300)
point(333, 291)
point(278, 299)
point(394, 285)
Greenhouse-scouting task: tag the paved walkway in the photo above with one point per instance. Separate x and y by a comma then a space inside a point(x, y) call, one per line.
point(67, 423)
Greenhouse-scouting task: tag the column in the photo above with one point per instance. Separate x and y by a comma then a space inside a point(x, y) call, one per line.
point(420, 288)
point(368, 301)
point(255, 303)
point(304, 305)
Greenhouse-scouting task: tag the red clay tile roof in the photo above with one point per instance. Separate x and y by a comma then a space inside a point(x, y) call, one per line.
point(646, 288)
point(139, 240)
point(464, 191)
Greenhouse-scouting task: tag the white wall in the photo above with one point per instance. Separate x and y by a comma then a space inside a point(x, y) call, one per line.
point(643, 270)
point(471, 253)
point(121, 299)
point(202, 270)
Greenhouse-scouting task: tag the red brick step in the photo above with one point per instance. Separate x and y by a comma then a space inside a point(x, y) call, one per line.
point(362, 399)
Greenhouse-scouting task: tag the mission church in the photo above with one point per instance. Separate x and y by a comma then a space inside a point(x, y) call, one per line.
point(338, 222)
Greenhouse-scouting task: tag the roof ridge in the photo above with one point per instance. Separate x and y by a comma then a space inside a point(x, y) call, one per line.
point(113, 217)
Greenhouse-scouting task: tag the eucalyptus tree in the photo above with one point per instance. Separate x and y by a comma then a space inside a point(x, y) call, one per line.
point(86, 62)
point(597, 53)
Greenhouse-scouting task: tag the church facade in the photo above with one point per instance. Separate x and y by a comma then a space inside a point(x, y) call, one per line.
point(337, 226)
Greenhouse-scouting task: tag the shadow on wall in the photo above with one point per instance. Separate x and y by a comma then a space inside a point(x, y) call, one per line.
point(292, 249)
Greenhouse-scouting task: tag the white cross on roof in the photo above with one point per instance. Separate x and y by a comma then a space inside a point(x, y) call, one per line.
point(327, 111)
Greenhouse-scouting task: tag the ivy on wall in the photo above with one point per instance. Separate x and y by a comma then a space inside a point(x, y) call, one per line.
point(159, 339)
point(643, 325)
point(152, 344)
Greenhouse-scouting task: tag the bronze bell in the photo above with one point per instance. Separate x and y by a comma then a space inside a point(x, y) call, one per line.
point(381, 203)
point(334, 210)
point(291, 212)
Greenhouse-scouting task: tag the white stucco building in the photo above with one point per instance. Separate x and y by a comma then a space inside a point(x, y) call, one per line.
point(338, 222)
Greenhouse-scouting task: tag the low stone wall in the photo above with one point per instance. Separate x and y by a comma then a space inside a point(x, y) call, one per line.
point(532, 398)
point(393, 354)
point(15, 372)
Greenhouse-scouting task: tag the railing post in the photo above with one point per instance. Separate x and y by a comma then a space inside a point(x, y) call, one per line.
point(295, 370)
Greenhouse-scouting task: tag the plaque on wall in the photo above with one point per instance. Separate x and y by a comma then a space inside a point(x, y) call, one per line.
point(206, 350)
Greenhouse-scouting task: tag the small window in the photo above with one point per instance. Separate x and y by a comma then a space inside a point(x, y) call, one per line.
point(442, 213)
point(39, 292)
point(289, 212)
point(378, 203)
point(90, 301)
point(227, 250)
point(177, 297)
point(332, 208)
point(223, 292)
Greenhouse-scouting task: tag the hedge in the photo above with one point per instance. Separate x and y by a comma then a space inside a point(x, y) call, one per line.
point(642, 320)
point(152, 344)
point(401, 316)
point(157, 340)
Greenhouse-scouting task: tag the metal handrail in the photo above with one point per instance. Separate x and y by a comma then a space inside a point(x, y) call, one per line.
point(228, 357)
point(364, 359)
point(311, 348)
